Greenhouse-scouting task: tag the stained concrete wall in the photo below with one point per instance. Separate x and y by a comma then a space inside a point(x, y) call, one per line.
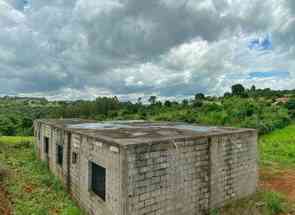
point(169, 178)
point(88, 150)
point(91, 150)
point(55, 137)
point(186, 177)
point(191, 177)
point(234, 169)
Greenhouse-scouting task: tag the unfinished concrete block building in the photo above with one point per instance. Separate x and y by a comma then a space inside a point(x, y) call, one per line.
point(144, 168)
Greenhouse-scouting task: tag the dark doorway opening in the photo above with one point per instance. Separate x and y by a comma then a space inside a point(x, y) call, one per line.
point(98, 180)
point(68, 144)
point(74, 157)
point(46, 145)
point(60, 154)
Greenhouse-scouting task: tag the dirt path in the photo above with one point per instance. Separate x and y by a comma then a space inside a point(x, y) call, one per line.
point(282, 181)
point(4, 202)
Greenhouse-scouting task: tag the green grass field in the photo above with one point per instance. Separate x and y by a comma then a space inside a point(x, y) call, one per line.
point(14, 140)
point(278, 147)
point(33, 189)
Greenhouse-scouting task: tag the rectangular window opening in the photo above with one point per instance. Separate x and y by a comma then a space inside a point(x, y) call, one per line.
point(98, 182)
point(39, 134)
point(74, 157)
point(46, 145)
point(60, 152)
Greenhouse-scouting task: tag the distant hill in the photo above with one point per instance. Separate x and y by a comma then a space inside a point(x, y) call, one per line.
point(22, 99)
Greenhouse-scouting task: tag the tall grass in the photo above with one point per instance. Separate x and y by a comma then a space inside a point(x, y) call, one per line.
point(278, 147)
point(270, 203)
point(274, 202)
point(33, 189)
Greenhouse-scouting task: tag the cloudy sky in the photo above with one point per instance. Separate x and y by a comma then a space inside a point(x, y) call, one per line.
point(70, 49)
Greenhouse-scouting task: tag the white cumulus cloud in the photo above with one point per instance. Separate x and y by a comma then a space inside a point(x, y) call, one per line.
point(174, 49)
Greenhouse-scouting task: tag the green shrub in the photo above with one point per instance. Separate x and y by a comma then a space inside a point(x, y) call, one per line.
point(274, 203)
point(214, 212)
point(72, 210)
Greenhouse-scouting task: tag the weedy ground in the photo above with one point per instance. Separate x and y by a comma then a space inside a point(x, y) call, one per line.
point(30, 188)
point(278, 148)
point(27, 187)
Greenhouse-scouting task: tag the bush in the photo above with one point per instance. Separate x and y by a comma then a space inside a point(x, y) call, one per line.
point(274, 203)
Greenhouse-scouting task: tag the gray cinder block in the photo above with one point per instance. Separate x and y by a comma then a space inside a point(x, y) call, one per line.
point(149, 168)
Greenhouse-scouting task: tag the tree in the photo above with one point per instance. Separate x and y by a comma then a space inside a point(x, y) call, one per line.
point(7, 127)
point(167, 103)
point(139, 100)
point(291, 107)
point(185, 103)
point(199, 96)
point(152, 100)
point(238, 90)
point(227, 94)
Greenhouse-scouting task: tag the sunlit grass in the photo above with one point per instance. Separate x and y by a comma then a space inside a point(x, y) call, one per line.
point(31, 187)
point(15, 139)
point(278, 147)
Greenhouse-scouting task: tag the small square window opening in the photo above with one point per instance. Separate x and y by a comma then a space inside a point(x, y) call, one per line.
point(98, 180)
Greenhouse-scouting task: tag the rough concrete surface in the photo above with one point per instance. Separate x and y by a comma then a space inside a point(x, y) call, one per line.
point(151, 168)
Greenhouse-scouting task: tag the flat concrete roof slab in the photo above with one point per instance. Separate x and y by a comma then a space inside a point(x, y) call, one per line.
point(134, 132)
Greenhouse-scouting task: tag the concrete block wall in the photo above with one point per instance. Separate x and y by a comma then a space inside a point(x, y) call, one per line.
point(191, 177)
point(168, 178)
point(234, 169)
point(91, 150)
point(56, 137)
point(88, 150)
point(185, 177)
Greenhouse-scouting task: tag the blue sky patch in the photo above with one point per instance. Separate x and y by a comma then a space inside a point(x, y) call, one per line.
point(261, 44)
point(269, 74)
point(22, 4)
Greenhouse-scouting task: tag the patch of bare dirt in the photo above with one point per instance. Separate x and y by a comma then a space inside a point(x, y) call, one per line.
point(28, 188)
point(5, 208)
point(282, 181)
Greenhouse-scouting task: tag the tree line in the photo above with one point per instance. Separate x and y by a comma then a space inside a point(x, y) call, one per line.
point(242, 107)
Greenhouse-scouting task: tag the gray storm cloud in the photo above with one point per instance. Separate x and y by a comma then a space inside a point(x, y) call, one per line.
point(137, 47)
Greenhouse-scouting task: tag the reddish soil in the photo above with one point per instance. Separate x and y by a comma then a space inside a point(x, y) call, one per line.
point(4, 202)
point(28, 188)
point(282, 181)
